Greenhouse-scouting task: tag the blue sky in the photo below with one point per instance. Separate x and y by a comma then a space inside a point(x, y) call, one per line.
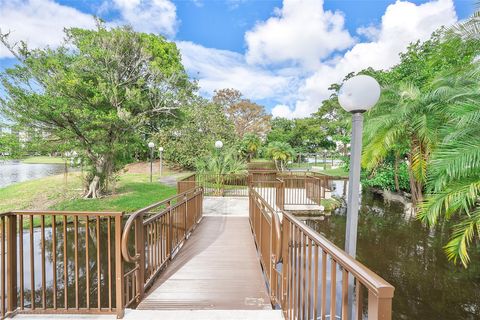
point(281, 53)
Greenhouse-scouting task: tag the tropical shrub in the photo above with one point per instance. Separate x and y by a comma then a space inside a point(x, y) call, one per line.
point(280, 153)
point(383, 178)
point(250, 145)
point(219, 164)
point(454, 178)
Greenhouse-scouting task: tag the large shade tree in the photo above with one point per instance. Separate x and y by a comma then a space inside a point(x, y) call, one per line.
point(101, 91)
point(192, 135)
point(247, 116)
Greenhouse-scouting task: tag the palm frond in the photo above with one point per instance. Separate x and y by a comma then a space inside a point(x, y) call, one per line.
point(462, 236)
point(469, 29)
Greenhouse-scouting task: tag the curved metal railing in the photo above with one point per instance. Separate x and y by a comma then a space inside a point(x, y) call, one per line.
point(159, 231)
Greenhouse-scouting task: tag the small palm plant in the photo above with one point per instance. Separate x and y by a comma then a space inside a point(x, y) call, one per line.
point(219, 165)
point(280, 152)
point(251, 143)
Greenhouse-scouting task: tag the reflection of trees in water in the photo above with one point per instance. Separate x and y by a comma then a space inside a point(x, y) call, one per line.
point(411, 258)
point(94, 281)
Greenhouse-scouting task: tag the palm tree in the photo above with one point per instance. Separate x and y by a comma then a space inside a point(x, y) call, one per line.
point(280, 152)
point(219, 164)
point(469, 29)
point(454, 180)
point(251, 143)
point(404, 119)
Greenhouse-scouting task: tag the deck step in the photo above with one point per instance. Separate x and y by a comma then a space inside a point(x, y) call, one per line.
point(204, 314)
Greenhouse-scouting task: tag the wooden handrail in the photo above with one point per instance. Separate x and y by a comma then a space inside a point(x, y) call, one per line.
point(131, 220)
point(68, 213)
point(160, 230)
point(309, 262)
point(370, 279)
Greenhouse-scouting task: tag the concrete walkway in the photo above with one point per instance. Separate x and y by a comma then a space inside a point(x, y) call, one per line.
point(225, 206)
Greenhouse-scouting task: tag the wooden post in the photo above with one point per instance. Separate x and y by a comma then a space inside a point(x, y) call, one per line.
point(118, 267)
point(379, 308)
point(11, 263)
point(140, 250)
point(170, 231)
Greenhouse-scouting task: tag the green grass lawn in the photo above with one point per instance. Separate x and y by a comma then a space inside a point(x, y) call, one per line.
point(133, 191)
point(44, 159)
point(338, 172)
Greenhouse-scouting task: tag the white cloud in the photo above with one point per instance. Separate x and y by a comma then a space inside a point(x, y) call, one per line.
point(402, 23)
point(153, 16)
point(38, 22)
point(301, 32)
point(41, 22)
point(217, 69)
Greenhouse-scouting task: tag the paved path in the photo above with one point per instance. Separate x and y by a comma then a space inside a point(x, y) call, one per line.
point(170, 180)
point(225, 206)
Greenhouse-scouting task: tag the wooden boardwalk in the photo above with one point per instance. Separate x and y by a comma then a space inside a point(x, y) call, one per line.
point(216, 269)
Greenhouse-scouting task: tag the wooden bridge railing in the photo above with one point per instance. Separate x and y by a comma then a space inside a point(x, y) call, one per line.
point(235, 185)
point(302, 189)
point(60, 262)
point(159, 230)
point(74, 262)
point(308, 276)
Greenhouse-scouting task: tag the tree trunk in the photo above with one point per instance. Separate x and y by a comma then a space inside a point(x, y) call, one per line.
point(395, 174)
point(416, 187)
point(276, 164)
point(94, 187)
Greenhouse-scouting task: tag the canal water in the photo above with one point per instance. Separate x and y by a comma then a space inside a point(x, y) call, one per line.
point(395, 245)
point(15, 171)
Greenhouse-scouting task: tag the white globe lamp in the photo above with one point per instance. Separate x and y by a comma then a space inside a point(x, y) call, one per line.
point(359, 94)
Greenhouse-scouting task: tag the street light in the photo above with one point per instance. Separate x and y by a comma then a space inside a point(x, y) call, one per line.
point(160, 151)
point(151, 145)
point(357, 95)
point(218, 144)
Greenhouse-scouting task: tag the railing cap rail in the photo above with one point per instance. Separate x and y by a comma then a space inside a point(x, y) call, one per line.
point(187, 177)
point(379, 286)
point(65, 213)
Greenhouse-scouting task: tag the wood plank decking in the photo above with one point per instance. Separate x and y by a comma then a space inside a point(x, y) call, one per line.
point(217, 268)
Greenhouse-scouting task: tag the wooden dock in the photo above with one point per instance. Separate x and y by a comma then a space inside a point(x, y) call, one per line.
point(217, 268)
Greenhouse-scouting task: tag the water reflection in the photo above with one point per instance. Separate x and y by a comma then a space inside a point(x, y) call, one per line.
point(396, 246)
point(43, 277)
point(16, 171)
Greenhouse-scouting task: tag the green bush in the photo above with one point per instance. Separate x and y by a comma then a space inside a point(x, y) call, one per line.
point(383, 177)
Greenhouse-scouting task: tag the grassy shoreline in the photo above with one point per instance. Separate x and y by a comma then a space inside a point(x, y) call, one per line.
point(133, 191)
point(43, 160)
